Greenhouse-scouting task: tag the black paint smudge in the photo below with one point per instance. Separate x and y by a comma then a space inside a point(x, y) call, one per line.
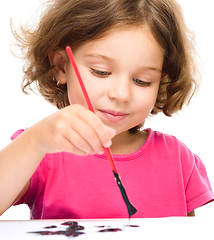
point(133, 226)
point(74, 229)
point(65, 233)
point(70, 223)
point(111, 230)
point(103, 226)
point(49, 227)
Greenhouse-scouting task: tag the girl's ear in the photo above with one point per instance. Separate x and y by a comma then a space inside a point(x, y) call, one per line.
point(58, 60)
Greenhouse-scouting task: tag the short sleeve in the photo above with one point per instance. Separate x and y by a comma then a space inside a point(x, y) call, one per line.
point(198, 188)
point(17, 133)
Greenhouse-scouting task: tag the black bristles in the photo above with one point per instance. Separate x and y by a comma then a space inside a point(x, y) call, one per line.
point(131, 209)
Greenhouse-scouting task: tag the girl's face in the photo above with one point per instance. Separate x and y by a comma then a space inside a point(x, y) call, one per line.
point(122, 73)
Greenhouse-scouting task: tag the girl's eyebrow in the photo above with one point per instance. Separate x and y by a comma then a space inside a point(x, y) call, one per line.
point(157, 69)
point(106, 58)
point(94, 55)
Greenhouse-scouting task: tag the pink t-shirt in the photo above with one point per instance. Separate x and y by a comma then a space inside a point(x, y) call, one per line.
point(162, 179)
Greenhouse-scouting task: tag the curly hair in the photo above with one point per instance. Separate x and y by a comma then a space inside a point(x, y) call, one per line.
point(73, 22)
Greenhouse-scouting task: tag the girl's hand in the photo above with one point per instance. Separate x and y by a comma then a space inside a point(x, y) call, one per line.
point(73, 129)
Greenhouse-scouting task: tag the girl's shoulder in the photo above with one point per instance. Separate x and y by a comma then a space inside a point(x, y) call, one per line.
point(162, 144)
point(163, 140)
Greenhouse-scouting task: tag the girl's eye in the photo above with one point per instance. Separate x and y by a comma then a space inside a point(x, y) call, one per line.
point(142, 83)
point(99, 73)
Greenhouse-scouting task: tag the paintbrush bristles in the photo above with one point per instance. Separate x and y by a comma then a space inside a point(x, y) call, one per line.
point(131, 209)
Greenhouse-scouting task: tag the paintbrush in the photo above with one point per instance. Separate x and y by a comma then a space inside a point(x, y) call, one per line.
point(131, 209)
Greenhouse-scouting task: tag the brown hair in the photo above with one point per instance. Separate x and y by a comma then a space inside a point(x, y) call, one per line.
point(73, 22)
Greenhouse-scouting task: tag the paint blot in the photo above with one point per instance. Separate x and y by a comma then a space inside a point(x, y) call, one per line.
point(133, 226)
point(74, 229)
point(111, 230)
point(67, 233)
point(43, 232)
point(103, 226)
point(70, 223)
point(49, 227)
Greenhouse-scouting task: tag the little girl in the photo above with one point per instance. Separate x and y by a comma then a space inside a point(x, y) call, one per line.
point(135, 57)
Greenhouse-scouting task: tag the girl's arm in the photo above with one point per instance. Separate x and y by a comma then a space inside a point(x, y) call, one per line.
point(18, 162)
point(73, 129)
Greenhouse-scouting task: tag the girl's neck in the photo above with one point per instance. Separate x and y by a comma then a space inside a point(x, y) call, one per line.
point(126, 142)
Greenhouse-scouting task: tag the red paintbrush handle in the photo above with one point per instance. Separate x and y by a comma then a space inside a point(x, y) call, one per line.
point(73, 62)
point(90, 106)
point(110, 159)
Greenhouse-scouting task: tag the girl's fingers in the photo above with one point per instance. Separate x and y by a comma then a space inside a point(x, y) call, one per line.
point(84, 137)
point(78, 143)
point(95, 131)
point(69, 147)
point(73, 129)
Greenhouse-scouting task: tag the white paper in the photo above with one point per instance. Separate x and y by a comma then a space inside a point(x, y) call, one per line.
point(149, 229)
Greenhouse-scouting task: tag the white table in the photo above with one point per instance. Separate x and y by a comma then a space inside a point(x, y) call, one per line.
point(149, 229)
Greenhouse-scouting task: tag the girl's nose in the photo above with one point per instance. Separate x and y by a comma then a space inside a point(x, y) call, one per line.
point(120, 90)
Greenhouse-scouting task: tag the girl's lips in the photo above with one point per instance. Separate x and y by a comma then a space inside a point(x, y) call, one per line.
point(113, 116)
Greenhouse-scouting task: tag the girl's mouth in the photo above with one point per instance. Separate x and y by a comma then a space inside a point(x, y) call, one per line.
point(113, 116)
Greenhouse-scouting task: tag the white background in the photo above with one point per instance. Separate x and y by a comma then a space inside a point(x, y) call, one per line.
point(193, 125)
